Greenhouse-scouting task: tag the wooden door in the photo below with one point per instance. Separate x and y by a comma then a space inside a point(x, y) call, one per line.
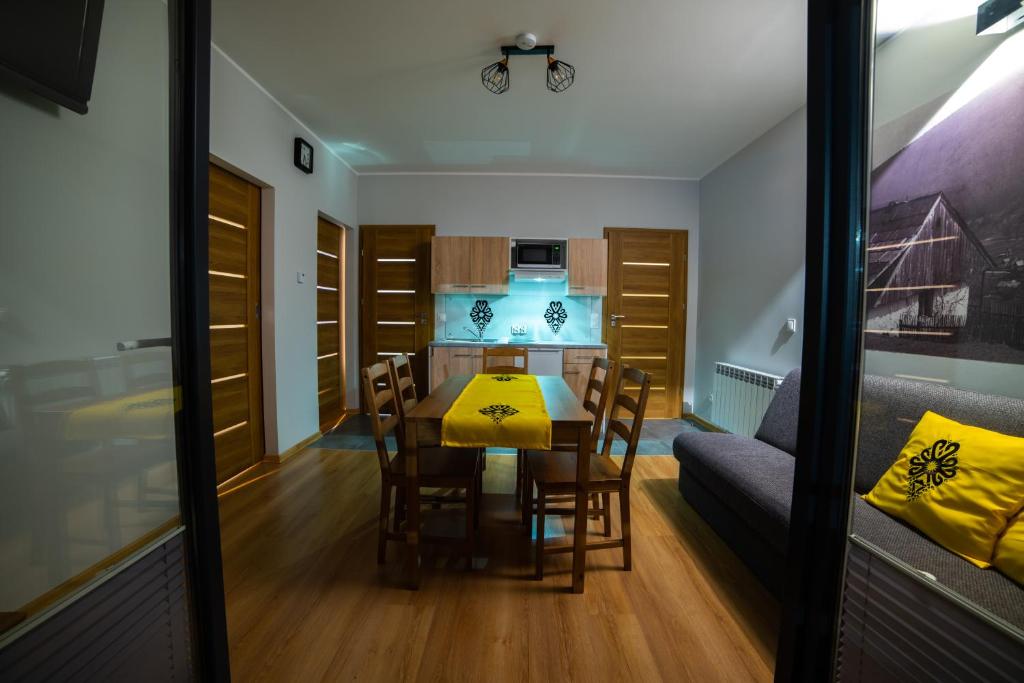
point(588, 267)
point(330, 323)
point(396, 311)
point(235, 365)
point(645, 310)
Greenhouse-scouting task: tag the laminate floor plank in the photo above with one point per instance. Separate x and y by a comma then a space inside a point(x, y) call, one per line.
point(306, 600)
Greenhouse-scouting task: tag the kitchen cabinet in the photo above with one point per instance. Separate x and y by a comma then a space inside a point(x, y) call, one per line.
point(446, 361)
point(470, 265)
point(576, 365)
point(588, 267)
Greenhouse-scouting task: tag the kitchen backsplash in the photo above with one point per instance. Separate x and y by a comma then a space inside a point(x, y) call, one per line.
point(531, 311)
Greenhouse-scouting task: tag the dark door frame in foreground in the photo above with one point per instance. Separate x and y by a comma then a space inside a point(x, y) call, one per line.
point(197, 479)
point(839, 52)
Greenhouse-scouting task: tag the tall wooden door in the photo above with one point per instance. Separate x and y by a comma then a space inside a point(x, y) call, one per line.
point(330, 322)
point(645, 310)
point(235, 367)
point(396, 308)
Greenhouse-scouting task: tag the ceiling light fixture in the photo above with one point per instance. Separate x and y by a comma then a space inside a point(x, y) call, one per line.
point(560, 76)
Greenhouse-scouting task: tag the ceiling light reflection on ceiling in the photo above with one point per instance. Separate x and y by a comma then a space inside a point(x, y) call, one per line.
point(1006, 60)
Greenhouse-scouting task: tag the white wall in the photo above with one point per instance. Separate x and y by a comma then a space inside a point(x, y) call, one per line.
point(540, 206)
point(250, 132)
point(752, 217)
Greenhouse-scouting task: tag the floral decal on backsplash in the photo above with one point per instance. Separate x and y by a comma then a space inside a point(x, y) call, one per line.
point(555, 316)
point(481, 315)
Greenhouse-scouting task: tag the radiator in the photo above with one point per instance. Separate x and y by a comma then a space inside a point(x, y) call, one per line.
point(741, 397)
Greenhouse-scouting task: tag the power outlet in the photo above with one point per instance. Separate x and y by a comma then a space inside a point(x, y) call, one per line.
point(519, 330)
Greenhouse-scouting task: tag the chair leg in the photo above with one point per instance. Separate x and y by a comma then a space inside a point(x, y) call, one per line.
point(479, 499)
point(471, 507)
point(520, 457)
point(527, 500)
point(399, 509)
point(627, 551)
point(382, 525)
point(606, 512)
point(540, 534)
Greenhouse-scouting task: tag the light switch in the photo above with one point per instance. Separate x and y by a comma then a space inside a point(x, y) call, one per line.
point(300, 277)
point(791, 325)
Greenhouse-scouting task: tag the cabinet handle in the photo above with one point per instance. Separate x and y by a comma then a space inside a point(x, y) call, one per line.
point(570, 372)
point(462, 355)
point(577, 287)
point(460, 286)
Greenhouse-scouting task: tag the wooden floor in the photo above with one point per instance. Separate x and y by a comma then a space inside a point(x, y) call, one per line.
point(306, 600)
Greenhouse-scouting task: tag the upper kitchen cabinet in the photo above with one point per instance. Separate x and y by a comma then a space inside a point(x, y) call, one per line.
point(588, 267)
point(470, 265)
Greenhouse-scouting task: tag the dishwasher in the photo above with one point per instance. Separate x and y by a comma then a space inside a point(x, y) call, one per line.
point(545, 362)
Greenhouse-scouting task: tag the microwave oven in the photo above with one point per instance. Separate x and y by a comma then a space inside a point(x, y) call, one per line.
point(533, 254)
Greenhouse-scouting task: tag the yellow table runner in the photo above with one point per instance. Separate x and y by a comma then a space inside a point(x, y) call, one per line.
point(149, 415)
point(498, 410)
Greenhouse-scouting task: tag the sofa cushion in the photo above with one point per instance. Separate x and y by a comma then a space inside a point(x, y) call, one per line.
point(892, 407)
point(755, 479)
point(779, 424)
point(986, 587)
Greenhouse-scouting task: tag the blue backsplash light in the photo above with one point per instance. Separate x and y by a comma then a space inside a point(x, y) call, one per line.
point(523, 309)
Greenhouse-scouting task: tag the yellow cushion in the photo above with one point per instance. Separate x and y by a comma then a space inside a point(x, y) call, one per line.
point(957, 484)
point(1009, 555)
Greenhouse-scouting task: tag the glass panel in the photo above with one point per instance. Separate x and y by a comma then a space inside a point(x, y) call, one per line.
point(938, 490)
point(533, 311)
point(87, 444)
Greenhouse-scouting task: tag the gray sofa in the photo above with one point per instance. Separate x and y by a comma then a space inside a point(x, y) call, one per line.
point(742, 487)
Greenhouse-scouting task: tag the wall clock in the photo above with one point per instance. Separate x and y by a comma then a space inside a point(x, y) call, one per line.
point(303, 155)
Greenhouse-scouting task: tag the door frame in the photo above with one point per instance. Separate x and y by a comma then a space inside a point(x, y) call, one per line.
point(684, 279)
point(190, 322)
point(840, 50)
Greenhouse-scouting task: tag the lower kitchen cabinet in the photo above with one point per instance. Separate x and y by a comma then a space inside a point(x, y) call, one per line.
point(576, 368)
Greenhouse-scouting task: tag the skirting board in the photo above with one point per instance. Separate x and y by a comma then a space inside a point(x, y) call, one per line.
point(702, 422)
point(278, 459)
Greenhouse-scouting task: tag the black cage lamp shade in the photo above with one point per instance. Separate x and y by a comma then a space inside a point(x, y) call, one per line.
point(495, 77)
point(560, 75)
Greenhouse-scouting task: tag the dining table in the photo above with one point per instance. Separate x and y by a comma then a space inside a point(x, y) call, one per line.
point(571, 425)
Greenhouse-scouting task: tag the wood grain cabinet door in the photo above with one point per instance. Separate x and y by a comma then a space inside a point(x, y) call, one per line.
point(450, 269)
point(588, 267)
point(490, 258)
point(576, 364)
point(645, 310)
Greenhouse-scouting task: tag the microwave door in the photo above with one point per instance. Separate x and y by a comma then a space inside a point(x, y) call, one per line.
point(534, 255)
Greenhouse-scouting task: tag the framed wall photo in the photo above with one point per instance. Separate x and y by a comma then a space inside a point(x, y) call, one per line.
point(303, 155)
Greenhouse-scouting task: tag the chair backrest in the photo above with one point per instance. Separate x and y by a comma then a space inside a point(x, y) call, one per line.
point(380, 400)
point(402, 383)
point(636, 407)
point(600, 385)
point(503, 353)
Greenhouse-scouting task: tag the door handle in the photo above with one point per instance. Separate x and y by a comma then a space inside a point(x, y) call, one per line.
point(143, 343)
point(614, 318)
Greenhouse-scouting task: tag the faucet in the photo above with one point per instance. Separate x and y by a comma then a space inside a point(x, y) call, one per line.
point(478, 334)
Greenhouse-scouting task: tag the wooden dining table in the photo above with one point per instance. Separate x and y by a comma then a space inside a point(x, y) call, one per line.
point(571, 424)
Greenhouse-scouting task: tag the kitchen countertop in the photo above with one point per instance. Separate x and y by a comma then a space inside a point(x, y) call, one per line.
point(527, 344)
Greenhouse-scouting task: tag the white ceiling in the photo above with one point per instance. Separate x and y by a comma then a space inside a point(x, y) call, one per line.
point(663, 87)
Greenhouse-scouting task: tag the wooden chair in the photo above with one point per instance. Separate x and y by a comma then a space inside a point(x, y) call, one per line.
point(555, 473)
point(439, 467)
point(503, 352)
point(599, 387)
point(405, 386)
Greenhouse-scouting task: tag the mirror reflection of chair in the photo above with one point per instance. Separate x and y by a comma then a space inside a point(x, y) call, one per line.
point(439, 467)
